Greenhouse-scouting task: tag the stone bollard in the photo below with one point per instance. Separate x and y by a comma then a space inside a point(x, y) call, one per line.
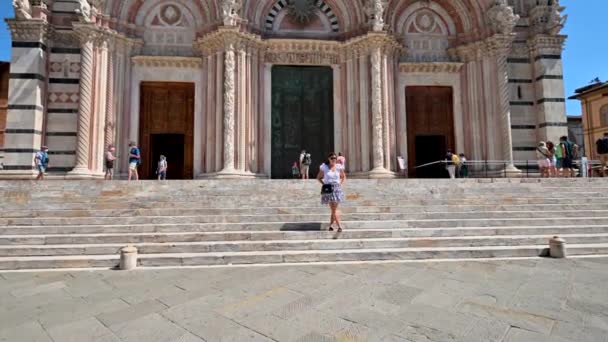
point(557, 247)
point(128, 258)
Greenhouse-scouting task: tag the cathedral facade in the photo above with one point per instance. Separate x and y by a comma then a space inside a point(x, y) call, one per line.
point(237, 88)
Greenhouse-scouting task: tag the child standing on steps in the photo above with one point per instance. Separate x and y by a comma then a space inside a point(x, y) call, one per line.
point(161, 171)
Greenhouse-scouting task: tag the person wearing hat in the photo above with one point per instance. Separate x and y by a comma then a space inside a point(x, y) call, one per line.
point(42, 161)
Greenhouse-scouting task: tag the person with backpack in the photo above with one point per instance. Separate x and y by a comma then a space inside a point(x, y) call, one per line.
point(41, 159)
point(602, 151)
point(305, 161)
point(134, 160)
point(567, 148)
point(161, 170)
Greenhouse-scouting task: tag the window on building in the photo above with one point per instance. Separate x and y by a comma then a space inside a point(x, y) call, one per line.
point(604, 115)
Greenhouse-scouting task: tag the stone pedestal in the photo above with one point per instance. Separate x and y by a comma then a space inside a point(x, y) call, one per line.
point(128, 258)
point(557, 247)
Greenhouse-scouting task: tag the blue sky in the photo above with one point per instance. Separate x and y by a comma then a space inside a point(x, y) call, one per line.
point(585, 57)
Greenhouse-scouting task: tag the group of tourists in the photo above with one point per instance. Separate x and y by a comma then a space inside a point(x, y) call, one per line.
point(557, 160)
point(456, 165)
point(301, 169)
point(134, 163)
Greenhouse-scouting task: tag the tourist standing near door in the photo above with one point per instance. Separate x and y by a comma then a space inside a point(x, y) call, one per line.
point(161, 171)
point(305, 161)
point(332, 177)
point(110, 158)
point(134, 160)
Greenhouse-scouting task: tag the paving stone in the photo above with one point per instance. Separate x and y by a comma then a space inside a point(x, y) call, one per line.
point(85, 330)
point(153, 328)
point(39, 289)
point(116, 319)
point(579, 334)
point(517, 318)
point(520, 335)
point(211, 326)
point(437, 299)
point(78, 309)
point(27, 332)
point(486, 330)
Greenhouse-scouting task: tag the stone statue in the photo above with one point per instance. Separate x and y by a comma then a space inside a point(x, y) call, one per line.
point(375, 13)
point(501, 18)
point(23, 10)
point(84, 10)
point(230, 9)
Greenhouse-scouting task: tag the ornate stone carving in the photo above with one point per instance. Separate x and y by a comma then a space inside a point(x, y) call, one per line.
point(84, 11)
point(33, 30)
point(546, 17)
point(85, 105)
point(500, 17)
point(375, 13)
point(377, 124)
point(302, 10)
point(434, 67)
point(23, 10)
point(168, 62)
point(229, 11)
point(110, 115)
point(229, 108)
point(542, 44)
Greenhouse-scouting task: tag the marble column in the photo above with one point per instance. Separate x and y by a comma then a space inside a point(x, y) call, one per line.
point(84, 106)
point(377, 116)
point(503, 44)
point(229, 109)
point(110, 118)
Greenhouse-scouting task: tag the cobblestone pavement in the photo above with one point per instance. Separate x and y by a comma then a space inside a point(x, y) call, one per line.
point(524, 300)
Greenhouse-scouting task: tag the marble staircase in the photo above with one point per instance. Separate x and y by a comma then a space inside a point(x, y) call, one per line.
point(83, 224)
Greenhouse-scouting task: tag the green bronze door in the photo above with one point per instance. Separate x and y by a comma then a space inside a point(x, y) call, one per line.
point(302, 116)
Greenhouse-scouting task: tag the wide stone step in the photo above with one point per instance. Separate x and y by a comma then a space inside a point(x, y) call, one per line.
point(279, 257)
point(228, 218)
point(295, 245)
point(346, 209)
point(312, 202)
point(134, 238)
point(301, 226)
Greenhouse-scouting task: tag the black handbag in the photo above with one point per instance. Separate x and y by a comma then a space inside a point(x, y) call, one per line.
point(327, 189)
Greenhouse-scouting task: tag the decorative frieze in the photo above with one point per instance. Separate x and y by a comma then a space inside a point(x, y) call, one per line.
point(33, 30)
point(542, 44)
point(167, 62)
point(433, 67)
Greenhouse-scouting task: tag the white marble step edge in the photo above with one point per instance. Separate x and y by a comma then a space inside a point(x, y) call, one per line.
point(571, 248)
point(295, 242)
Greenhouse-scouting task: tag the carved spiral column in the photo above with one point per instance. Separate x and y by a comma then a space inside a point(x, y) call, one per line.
point(377, 117)
point(110, 115)
point(229, 102)
point(503, 44)
point(84, 106)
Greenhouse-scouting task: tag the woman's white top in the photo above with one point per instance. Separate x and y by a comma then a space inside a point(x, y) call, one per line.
point(329, 176)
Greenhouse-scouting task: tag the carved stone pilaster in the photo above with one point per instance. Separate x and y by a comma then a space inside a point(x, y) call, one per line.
point(110, 115)
point(229, 108)
point(87, 34)
point(499, 46)
point(377, 117)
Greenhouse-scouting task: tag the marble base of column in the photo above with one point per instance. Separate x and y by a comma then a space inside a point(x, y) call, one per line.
point(80, 173)
point(230, 174)
point(380, 173)
point(510, 171)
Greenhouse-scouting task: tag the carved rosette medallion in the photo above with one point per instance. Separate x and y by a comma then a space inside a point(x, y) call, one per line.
point(170, 14)
point(302, 10)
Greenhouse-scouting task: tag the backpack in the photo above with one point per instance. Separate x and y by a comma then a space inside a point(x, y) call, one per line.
point(307, 159)
point(602, 145)
point(568, 146)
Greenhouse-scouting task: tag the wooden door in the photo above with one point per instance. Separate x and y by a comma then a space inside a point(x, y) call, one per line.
point(167, 117)
point(302, 116)
point(430, 128)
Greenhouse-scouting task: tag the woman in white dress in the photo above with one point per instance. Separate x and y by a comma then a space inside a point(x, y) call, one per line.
point(332, 176)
